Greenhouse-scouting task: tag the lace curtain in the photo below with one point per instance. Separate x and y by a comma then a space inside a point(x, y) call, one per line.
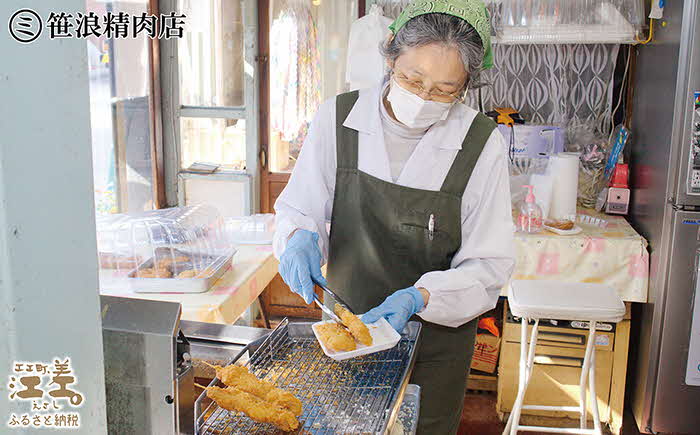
point(294, 69)
point(548, 84)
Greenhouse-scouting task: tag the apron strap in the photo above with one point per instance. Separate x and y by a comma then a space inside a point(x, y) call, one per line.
point(345, 138)
point(465, 160)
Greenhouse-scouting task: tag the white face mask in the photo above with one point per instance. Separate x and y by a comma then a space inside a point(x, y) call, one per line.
point(413, 111)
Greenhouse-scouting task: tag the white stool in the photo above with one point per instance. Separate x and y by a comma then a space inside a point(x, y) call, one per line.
point(535, 300)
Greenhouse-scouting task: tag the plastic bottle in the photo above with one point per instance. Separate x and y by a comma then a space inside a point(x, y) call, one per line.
point(530, 217)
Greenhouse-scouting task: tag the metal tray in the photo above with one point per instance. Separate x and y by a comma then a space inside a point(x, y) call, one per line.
point(179, 285)
point(407, 419)
point(360, 395)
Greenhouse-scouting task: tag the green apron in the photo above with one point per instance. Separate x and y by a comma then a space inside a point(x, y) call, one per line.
point(379, 243)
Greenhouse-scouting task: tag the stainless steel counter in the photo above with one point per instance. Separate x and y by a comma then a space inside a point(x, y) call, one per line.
point(217, 344)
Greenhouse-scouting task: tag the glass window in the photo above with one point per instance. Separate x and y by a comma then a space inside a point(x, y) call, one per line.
point(214, 140)
point(120, 111)
point(308, 48)
point(211, 53)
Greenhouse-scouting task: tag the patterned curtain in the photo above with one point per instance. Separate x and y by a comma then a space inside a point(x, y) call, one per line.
point(552, 84)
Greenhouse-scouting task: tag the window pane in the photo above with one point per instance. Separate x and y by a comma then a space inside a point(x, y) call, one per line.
point(219, 141)
point(119, 74)
point(211, 53)
point(308, 48)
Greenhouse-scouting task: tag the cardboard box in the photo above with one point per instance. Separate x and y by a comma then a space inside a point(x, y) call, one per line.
point(486, 350)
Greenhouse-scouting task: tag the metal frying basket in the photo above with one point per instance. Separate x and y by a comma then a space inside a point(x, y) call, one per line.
point(359, 395)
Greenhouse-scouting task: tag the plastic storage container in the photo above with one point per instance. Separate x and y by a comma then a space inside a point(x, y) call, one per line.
point(567, 21)
point(181, 249)
point(256, 229)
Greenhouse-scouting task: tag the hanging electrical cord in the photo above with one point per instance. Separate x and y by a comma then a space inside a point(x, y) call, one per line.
point(623, 91)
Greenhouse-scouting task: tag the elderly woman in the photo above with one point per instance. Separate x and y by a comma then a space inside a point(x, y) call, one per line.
point(415, 187)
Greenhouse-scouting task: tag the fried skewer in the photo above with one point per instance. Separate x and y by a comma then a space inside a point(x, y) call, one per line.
point(336, 337)
point(233, 399)
point(357, 328)
point(239, 377)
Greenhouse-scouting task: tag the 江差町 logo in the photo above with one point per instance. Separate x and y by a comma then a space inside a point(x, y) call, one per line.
point(46, 395)
point(25, 26)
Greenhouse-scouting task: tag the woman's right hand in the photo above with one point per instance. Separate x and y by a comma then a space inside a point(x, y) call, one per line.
point(300, 261)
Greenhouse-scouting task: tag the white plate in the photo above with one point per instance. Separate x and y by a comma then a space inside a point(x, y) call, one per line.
point(575, 230)
point(383, 337)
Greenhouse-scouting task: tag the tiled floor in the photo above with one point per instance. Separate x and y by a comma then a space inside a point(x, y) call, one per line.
point(479, 417)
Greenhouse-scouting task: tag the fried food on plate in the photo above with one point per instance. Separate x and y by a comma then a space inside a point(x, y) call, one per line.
point(233, 399)
point(563, 224)
point(358, 329)
point(336, 337)
point(240, 377)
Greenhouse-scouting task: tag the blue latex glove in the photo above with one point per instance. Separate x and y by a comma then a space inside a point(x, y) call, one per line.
point(300, 261)
point(397, 308)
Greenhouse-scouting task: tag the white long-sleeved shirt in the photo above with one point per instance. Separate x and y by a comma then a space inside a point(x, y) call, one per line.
point(486, 257)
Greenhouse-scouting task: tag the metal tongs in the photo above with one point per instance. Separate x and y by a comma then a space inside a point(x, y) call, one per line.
point(335, 296)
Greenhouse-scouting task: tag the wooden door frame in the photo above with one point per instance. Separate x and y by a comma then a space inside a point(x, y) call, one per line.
point(155, 109)
point(264, 107)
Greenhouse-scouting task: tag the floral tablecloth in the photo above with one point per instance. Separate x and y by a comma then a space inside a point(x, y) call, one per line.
point(614, 255)
point(251, 270)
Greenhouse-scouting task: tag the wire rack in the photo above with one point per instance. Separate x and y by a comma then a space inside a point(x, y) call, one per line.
point(354, 396)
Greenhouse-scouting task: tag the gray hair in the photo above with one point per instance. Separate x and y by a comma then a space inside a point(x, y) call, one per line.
point(438, 28)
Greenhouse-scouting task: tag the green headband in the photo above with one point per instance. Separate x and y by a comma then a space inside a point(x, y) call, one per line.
point(472, 11)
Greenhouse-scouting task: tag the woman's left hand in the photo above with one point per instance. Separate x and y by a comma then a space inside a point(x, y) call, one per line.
point(397, 308)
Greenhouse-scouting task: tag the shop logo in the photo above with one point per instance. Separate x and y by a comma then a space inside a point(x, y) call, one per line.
point(50, 389)
point(25, 26)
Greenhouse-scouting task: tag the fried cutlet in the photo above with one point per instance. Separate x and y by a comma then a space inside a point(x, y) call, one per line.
point(233, 399)
point(336, 337)
point(358, 329)
point(240, 377)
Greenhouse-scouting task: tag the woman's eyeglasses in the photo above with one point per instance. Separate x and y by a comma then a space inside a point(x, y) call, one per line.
point(433, 95)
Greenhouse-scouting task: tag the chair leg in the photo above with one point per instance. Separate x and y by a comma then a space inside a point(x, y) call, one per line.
point(591, 382)
point(585, 371)
point(521, 377)
point(526, 364)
